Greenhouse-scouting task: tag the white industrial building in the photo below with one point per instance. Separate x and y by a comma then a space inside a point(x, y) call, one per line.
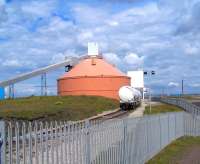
point(137, 80)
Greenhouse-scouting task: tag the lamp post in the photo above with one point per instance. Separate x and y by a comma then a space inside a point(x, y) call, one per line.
point(149, 74)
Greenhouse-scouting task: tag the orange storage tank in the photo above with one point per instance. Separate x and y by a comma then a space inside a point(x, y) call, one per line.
point(92, 76)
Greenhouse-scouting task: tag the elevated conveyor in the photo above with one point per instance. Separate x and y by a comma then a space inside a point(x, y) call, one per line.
point(69, 62)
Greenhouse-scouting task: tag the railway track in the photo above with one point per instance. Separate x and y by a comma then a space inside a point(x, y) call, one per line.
point(116, 114)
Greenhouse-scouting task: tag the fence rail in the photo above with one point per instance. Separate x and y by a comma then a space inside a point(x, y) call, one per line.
point(187, 106)
point(117, 141)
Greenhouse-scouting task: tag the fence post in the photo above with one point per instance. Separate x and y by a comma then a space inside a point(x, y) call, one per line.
point(168, 128)
point(125, 133)
point(147, 135)
point(184, 123)
point(2, 141)
point(88, 151)
point(175, 129)
point(160, 132)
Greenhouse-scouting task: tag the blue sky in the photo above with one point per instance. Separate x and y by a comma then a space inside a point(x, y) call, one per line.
point(160, 35)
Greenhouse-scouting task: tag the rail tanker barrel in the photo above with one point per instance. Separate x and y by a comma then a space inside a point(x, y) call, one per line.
point(128, 94)
point(129, 97)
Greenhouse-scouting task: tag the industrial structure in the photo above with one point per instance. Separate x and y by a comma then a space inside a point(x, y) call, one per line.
point(69, 62)
point(2, 93)
point(93, 76)
point(86, 75)
point(137, 80)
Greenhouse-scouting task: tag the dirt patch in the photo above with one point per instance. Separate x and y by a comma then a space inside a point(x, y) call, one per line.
point(191, 156)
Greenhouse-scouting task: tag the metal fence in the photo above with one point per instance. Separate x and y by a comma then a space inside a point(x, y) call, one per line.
point(187, 106)
point(127, 141)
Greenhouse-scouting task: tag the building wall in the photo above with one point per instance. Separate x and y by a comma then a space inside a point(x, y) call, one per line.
point(97, 86)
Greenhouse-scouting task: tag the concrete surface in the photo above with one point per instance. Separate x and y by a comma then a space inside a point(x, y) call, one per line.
point(139, 111)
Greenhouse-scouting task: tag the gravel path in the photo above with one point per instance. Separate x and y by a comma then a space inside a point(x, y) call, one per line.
point(196, 103)
point(139, 111)
point(191, 156)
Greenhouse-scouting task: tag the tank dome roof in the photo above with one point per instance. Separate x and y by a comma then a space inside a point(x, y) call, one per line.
point(93, 67)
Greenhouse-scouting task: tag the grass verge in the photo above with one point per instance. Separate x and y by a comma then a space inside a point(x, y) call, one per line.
point(55, 107)
point(175, 151)
point(161, 108)
point(187, 97)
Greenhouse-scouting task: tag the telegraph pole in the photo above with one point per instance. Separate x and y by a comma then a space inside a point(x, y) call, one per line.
point(44, 84)
point(182, 88)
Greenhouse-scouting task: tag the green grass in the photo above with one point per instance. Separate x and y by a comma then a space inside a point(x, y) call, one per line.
point(187, 97)
point(55, 107)
point(161, 108)
point(175, 151)
point(191, 97)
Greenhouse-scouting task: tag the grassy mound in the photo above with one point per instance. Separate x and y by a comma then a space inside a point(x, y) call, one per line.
point(55, 107)
point(161, 108)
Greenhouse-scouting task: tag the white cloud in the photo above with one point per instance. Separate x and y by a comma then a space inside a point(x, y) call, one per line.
point(112, 58)
point(133, 60)
point(36, 8)
point(195, 85)
point(62, 56)
point(12, 63)
point(164, 34)
point(173, 84)
point(89, 15)
point(29, 90)
point(85, 36)
point(57, 58)
point(26, 90)
point(191, 50)
point(71, 52)
point(19, 65)
point(56, 25)
point(113, 23)
point(3, 14)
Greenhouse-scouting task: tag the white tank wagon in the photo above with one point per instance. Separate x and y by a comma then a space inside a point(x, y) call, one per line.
point(130, 97)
